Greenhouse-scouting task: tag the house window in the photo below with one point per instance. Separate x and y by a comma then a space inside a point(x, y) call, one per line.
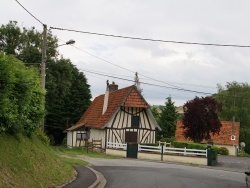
point(135, 121)
point(81, 136)
point(130, 137)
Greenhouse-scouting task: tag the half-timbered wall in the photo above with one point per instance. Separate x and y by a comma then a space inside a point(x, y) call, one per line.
point(121, 124)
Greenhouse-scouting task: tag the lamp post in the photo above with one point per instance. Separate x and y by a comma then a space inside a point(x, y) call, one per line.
point(43, 64)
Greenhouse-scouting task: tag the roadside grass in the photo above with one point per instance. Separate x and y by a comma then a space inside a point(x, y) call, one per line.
point(83, 151)
point(27, 163)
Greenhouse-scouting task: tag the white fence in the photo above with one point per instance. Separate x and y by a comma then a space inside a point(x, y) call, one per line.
point(161, 149)
point(116, 145)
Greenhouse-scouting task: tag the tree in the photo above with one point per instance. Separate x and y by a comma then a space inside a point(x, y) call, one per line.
point(67, 92)
point(22, 98)
point(236, 103)
point(168, 118)
point(26, 44)
point(200, 118)
point(68, 96)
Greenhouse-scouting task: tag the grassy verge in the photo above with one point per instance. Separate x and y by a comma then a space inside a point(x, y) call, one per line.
point(83, 151)
point(27, 162)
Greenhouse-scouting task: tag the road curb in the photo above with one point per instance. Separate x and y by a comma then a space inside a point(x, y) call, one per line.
point(100, 180)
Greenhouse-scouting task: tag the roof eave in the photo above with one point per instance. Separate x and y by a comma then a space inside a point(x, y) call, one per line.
point(157, 126)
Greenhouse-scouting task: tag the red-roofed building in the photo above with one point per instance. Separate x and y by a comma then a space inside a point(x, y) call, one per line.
point(228, 137)
point(118, 116)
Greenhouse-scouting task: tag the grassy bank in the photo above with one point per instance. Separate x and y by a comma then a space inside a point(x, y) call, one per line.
point(27, 162)
point(83, 152)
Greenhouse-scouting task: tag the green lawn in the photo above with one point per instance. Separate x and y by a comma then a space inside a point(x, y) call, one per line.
point(83, 151)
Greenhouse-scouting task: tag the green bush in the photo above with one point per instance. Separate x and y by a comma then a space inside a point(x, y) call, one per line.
point(64, 141)
point(223, 151)
point(42, 136)
point(168, 140)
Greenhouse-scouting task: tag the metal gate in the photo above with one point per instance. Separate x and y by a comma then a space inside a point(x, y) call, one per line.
point(132, 150)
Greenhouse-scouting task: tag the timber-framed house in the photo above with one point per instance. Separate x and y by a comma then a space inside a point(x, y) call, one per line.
point(118, 116)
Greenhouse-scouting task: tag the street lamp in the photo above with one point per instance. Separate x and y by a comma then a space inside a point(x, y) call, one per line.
point(68, 43)
point(43, 64)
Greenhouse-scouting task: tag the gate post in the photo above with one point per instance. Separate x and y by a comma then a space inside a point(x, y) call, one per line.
point(209, 156)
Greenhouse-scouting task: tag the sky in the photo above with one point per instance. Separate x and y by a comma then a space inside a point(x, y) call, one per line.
point(179, 71)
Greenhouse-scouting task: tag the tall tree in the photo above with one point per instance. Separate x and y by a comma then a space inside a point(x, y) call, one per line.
point(67, 92)
point(21, 97)
point(168, 118)
point(236, 103)
point(26, 44)
point(200, 118)
point(68, 96)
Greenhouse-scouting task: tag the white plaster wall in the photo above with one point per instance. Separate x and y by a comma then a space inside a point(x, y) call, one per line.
point(232, 149)
point(97, 134)
point(69, 139)
point(173, 158)
point(115, 152)
point(75, 142)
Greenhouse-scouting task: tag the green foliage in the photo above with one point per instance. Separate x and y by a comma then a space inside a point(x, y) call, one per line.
point(149, 144)
point(42, 136)
point(168, 118)
point(22, 98)
point(27, 163)
point(26, 44)
point(235, 100)
point(243, 154)
point(68, 96)
point(155, 113)
point(200, 118)
point(223, 151)
point(168, 140)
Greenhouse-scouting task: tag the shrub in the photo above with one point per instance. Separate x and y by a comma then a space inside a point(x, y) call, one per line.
point(64, 141)
point(42, 136)
point(168, 140)
point(223, 151)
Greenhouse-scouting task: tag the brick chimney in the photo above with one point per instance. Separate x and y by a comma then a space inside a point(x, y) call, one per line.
point(109, 88)
point(113, 87)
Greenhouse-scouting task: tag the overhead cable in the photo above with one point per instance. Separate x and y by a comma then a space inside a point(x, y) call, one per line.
point(29, 12)
point(152, 40)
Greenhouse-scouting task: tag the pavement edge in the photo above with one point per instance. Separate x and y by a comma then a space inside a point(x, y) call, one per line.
point(100, 180)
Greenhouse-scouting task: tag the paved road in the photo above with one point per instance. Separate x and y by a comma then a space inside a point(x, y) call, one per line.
point(239, 164)
point(131, 173)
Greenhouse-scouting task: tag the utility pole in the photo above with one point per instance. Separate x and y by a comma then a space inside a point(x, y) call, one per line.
point(43, 64)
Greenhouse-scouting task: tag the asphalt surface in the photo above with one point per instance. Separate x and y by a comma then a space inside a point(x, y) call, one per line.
point(85, 178)
point(88, 177)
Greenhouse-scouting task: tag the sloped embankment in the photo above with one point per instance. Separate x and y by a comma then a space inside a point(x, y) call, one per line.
point(27, 162)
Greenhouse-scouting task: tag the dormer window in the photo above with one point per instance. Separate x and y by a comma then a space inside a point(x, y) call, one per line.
point(135, 120)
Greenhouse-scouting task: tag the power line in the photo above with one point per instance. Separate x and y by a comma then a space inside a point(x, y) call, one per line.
point(168, 83)
point(180, 89)
point(29, 12)
point(175, 88)
point(153, 40)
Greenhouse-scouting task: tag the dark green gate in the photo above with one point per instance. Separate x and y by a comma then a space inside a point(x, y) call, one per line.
point(132, 150)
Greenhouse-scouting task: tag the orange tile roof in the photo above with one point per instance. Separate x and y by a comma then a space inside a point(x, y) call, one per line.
point(224, 136)
point(93, 117)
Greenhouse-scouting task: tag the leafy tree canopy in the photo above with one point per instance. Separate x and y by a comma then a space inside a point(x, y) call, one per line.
point(22, 98)
point(67, 92)
point(200, 118)
point(26, 44)
point(168, 118)
point(68, 96)
point(235, 98)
